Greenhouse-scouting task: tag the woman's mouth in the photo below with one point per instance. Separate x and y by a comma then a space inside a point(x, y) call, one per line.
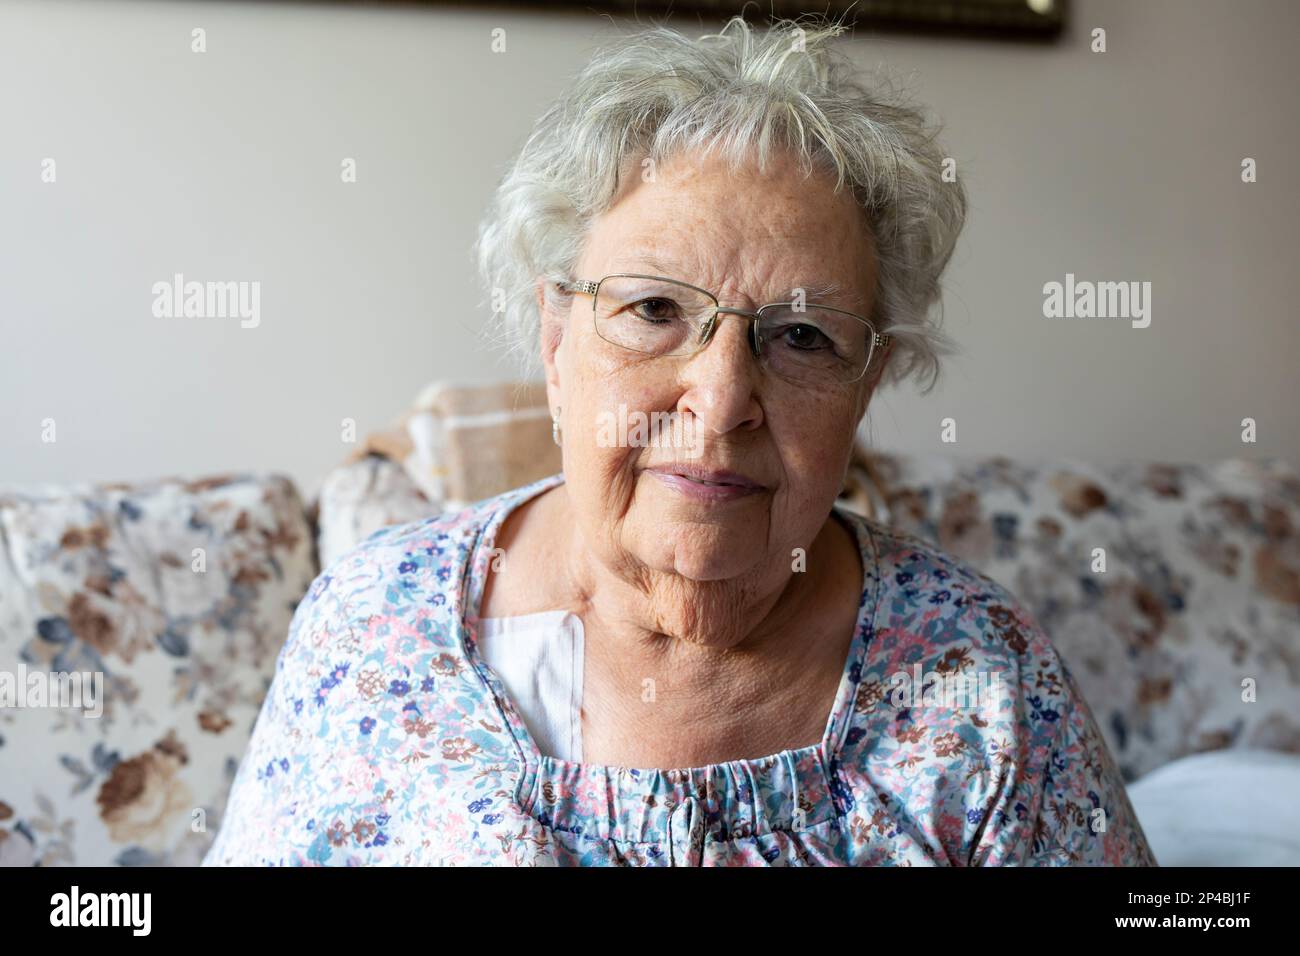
point(706, 484)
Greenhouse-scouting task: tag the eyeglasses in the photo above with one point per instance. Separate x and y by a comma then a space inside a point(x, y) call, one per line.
point(811, 345)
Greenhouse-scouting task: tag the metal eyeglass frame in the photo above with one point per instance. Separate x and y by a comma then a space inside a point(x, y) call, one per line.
point(587, 287)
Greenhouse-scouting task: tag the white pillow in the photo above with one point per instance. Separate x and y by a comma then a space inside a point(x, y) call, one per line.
point(1225, 808)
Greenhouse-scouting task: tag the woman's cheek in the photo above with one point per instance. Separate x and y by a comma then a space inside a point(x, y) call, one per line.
point(608, 466)
point(813, 459)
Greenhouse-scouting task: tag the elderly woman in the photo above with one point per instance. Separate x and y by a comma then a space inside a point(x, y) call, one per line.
point(679, 651)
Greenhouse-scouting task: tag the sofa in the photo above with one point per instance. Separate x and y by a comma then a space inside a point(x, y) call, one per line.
point(1171, 590)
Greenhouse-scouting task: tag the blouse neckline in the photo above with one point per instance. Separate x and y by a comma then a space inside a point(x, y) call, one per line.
point(533, 617)
point(676, 808)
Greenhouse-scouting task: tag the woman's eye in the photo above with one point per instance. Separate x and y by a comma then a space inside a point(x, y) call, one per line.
point(657, 311)
point(805, 337)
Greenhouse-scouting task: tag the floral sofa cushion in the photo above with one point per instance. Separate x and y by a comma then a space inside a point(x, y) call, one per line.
point(1189, 639)
point(179, 595)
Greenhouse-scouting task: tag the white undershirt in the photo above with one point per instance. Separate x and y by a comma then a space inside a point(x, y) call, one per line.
point(539, 660)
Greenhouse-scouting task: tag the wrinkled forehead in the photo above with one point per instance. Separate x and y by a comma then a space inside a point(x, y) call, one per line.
point(812, 286)
point(738, 232)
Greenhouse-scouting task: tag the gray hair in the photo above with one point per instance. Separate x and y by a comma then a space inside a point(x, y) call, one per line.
point(739, 92)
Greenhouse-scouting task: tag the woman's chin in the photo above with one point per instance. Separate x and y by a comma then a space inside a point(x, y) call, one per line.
point(699, 543)
point(702, 564)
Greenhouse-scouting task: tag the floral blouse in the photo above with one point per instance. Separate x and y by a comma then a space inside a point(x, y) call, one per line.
point(385, 739)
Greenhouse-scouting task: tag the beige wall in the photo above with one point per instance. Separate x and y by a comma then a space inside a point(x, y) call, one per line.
point(1118, 166)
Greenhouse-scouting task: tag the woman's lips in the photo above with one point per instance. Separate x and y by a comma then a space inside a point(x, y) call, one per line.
point(703, 485)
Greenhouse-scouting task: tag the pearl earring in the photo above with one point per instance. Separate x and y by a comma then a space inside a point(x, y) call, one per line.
point(555, 427)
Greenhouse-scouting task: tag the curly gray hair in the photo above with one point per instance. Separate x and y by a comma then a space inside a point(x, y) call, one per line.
point(741, 92)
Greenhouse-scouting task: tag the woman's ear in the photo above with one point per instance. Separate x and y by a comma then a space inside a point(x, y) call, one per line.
point(550, 335)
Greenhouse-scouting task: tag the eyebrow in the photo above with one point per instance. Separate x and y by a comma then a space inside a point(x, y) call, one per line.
point(670, 268)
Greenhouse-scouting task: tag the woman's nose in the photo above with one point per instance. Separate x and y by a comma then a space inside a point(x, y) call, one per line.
point(721, 379)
